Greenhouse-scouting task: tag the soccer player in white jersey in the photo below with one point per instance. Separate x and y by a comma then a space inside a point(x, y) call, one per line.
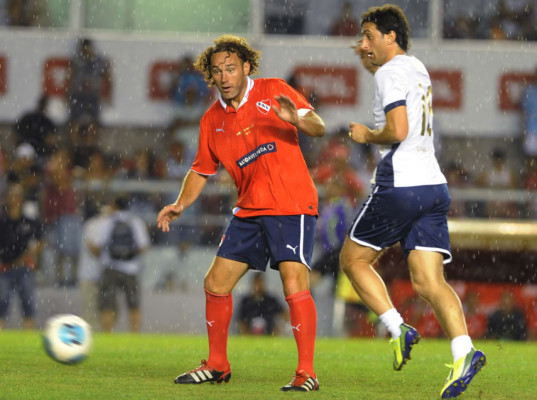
point(409, 201)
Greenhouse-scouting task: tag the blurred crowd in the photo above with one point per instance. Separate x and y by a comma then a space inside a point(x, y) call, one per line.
point(63, 177)
point(65, 170)
point(475, 19)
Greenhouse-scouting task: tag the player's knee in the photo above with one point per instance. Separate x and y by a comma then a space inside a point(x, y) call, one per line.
point(294, 283)
point(215, 285)
point(426, 288)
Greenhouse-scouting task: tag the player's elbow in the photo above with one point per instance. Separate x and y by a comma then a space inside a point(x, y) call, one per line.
point(320, 130)
point(312, 125)
point(400, 134)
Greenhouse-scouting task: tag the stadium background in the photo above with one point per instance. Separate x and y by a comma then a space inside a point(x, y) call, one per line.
point(477, 84)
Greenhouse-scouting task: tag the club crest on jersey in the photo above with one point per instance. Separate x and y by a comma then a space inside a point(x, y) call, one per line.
point(263, 106)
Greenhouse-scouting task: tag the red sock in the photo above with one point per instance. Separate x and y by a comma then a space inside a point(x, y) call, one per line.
point(304, 324)
point(218, 313)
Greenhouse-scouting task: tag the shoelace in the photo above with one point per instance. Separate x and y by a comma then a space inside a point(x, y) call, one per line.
point(203, 364)
point(299, 380)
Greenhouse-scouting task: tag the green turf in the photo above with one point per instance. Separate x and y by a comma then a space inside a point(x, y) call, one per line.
point(125, 366)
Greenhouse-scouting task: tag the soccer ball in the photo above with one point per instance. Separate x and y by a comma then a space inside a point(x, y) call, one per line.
point(67, 338)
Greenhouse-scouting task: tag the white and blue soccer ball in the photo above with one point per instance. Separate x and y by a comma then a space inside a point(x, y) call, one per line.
point(67, 338)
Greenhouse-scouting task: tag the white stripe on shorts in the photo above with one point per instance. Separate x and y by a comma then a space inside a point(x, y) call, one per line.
point(359, 217)
point(437, 250)
point(302, 258)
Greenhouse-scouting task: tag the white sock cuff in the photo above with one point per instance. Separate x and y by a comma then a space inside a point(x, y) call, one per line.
point(392, 320)
point(460, 346)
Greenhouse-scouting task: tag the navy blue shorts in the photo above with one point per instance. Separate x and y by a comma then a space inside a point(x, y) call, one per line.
point(415, 216)
point(274, 238)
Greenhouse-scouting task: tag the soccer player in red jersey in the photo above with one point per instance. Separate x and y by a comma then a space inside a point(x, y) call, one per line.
point(252, 130)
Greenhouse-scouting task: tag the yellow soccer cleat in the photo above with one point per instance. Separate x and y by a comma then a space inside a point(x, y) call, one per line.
point(403, 345)
point(462, 373)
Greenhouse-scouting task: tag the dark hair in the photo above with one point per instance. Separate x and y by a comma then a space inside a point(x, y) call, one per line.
point(389, 18)
point(230, 44)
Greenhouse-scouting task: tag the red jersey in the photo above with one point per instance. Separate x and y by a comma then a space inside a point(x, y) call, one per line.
point(259, 151)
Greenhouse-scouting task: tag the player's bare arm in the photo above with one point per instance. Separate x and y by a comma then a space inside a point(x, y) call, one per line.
point(192, 186)
point(310, 123)
point(395, 130)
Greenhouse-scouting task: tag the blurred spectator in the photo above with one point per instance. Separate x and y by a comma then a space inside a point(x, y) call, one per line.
point(20, 245)
point(119, 241)
point(516, 19)
point(28, 12)
point(89, 78)
point(190, 96)
point(37, 129)
point(335, 211)
point(346, 24)
point(26, 171)
point(528, 105)
point(84, 141)
point(24, 158)
point(61, 218)
point(464, 20)
point(176, 165)
point(259, 311)
point(458, 177)
point(94, 179)
point(496, 31)
point(499, 176)
point(508, 322)
point(475, 317)
point(334, 161)
point(143, 166)
point(341, 138)
point(285, 17)
point(90, 268)
point(184, 232)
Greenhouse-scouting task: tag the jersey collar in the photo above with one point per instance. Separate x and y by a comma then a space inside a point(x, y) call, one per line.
point(249, 87)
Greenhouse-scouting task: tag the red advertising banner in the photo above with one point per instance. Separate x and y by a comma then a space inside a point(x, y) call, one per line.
point(55, 78)
point(332, 85)
point(447, 89)
point(511, 87)
point(161, 79)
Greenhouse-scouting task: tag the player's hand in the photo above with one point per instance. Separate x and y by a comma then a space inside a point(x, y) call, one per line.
point(358, 132)
point(167, 215)
point(287, 111)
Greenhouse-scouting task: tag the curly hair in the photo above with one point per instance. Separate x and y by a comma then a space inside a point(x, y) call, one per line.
point(230, 44)
point(390, 18)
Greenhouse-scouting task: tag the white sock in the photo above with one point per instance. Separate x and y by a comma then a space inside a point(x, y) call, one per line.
point(460, 346)
point(392, 320)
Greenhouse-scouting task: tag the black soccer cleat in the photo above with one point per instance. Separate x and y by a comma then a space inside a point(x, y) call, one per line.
point(302, 382)
point(204, 373)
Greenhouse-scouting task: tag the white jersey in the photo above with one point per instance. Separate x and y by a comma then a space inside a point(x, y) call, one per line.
point(412, 162)
point(104, 231)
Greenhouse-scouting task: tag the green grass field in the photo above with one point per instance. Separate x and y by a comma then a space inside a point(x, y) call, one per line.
point(125, 366)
